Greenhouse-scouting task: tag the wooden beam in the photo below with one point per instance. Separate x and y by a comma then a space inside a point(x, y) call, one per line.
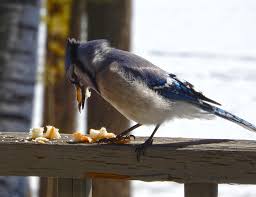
point(168, 159)
point(201, 190)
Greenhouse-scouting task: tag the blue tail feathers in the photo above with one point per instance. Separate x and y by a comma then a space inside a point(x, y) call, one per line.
point(228, 116)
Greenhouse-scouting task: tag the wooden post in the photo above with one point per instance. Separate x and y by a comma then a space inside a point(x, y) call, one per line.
point(108, 20)
point(73, 188)
point(201, 189)
point(60, 108)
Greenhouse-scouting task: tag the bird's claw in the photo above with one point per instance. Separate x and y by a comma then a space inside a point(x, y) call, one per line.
point(117, 140)
point(106, 141)
point(126, 137)
point(140, 150)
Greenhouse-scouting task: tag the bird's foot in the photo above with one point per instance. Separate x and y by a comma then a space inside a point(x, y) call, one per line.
point(119, 139)
point(140, 150)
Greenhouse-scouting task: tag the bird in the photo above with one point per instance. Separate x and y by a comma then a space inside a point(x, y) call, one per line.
point(138, 89)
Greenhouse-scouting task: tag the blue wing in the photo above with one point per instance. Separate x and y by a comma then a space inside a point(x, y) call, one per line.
point(166, 85)
point(177, 89)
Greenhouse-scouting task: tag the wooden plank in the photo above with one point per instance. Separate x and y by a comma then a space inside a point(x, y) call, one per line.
point(201, 190)
point(178, 159)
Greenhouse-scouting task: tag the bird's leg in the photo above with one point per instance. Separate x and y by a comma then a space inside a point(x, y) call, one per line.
point(122, 136)
point(124, 133)
point(140, 150)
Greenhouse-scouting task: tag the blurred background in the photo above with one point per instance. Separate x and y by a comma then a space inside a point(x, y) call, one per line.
point(212, 44)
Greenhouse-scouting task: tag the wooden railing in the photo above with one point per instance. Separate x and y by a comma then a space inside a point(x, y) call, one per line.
point(199, 163)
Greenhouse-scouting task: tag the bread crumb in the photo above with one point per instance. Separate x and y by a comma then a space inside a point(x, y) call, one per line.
point(36, 132)
point(86, 139)
point(100, 134)
point(41, 140)
point(52, 133)
point(87, 93)
point(78, 94)
point(80, 137)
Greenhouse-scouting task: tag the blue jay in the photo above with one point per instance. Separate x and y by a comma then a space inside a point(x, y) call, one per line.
point(138, 89)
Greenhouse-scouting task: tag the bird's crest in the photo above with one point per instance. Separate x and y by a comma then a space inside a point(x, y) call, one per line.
point(71, 52)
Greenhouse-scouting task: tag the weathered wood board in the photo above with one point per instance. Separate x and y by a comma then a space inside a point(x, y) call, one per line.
point(168, 159)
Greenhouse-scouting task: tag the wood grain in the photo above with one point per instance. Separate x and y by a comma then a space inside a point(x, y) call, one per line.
point(168, 159)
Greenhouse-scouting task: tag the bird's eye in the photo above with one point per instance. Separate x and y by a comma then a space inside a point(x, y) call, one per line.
point(74, 79)
point(72, 76)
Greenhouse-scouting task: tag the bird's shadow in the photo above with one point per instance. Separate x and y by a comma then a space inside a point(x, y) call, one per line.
point(184, 144)
point(176, 145)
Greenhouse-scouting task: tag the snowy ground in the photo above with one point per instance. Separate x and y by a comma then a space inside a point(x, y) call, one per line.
point(212, 44)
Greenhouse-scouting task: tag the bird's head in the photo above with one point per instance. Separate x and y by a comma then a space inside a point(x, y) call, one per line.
point(83, 60)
